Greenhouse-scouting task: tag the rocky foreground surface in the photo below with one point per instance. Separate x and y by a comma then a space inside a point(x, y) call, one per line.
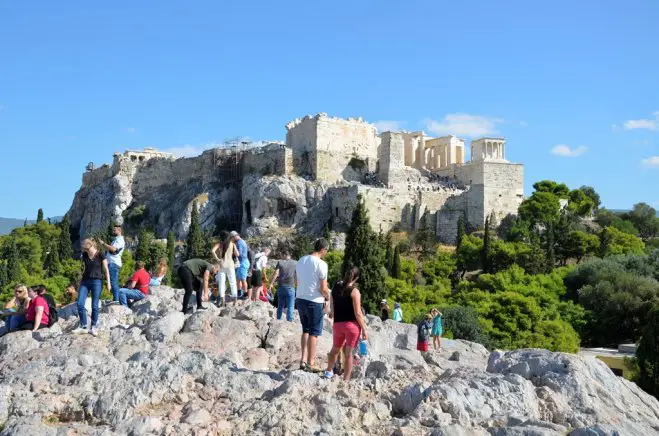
point(154, 371)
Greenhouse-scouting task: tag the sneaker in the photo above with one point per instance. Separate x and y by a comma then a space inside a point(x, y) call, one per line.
point(201, 308)
point(328, 374)
point(303, 366)
point(93, 331)
point(111, 302)
point(79, 330)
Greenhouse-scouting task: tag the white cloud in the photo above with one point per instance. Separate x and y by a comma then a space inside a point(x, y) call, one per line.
point(566, 151)
point(651, 162)
point(643, 123)
point(130, 130)
point(464, 125)
point(388, 126)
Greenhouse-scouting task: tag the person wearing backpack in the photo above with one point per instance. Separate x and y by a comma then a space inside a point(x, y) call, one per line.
point(52, 305)
point(423, 334)
point(37, 313)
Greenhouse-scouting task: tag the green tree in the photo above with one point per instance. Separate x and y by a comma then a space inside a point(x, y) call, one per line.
point(485, 254)
point(13, 261)
point(396, 268)
point(52, 263)
point(647, 354)
point(143, 244)
point(644, 218)
point(540, 208)
point(581, 244)
point(558, 189)
point(462, 230)
point(39, 216)
point(362, 252)
point(157, 251)
point(594, 196)
point(469, 254)
point(462, 323)
point(549, 249)
point(195, 242)
point(613, 241)
point(65, 247)
point(389, 262)
point(425, 237)
point(171, 256)
point(580, 204)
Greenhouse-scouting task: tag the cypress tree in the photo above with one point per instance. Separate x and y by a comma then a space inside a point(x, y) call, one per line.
point(171, 255)
point(13, 265)
point(389, 257)
point(485, 254)
point(39, 216)
point(52, 263)
point(647, 354)
point(549, 249)
point(396, 268)
point(25, 223)
point(462, 230)
point(142, 251)
point(195, 241)
point(364, 252)
point(3, 274)
point(65, 247)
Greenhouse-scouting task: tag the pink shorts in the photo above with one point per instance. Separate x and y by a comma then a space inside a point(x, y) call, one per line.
point(346, 333)
point(422, 346)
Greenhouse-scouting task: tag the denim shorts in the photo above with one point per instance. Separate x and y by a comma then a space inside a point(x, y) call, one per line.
point(311, 316)
point(242, 270)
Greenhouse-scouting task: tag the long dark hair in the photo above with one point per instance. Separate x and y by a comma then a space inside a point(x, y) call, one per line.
point(349, 279)
point(224, 237)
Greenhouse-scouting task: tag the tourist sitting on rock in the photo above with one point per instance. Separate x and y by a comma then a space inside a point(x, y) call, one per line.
point(285, 277)
point(312, 297)
point(194, 275)
point(259, 273)
point(138, 286)
point(227, 251)
point(160, 273)
point(398, 313)
point(18, 306)
point(348, 324)
point(71, 294)
point(423, 334)
point(37, 313)
point(95, 269)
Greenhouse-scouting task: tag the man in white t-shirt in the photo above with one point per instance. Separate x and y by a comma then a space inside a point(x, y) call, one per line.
point(312, 296)
point(113, 256)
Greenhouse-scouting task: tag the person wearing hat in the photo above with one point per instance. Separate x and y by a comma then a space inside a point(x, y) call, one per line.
point(398, 313)
point(113, 256)
point(242, 268)
point(384, 310)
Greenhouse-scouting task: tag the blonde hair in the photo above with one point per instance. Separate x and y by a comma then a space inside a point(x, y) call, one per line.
point(90, 242)
point(21, 303)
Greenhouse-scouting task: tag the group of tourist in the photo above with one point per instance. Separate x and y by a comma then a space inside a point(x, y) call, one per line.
point(33, 308)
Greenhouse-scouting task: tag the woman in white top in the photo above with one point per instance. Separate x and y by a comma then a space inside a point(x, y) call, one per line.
point(227, 251)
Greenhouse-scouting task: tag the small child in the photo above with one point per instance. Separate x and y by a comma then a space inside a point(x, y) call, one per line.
point(436, 329)
point(423, 334)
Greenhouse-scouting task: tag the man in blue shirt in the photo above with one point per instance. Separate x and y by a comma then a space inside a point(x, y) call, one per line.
point(242, 271)
point(113, 256)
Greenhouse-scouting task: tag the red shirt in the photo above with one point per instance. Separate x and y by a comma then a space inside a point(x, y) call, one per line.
point(31, 313)
point(141, 279)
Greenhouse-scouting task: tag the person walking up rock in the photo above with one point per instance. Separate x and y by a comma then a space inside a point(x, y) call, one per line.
point(95, 268)
point(285, 278)
point(113, 256)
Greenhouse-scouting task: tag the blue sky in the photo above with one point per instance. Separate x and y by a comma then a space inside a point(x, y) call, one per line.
point(573, 86)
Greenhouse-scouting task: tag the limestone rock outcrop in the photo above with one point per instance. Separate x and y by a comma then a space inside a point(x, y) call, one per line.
point(153, 371)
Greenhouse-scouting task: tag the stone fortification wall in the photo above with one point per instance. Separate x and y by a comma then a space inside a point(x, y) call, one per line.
point(272, 159)
point(301, 135)
point(96, 176)
point(503, 186)
point(392, 158)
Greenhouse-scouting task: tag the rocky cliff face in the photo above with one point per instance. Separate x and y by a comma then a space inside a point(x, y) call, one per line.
point(154, 371)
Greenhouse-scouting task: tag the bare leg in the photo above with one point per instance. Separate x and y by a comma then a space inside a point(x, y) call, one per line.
point(347, 369)
point(311, 349)
point(439, 342)
point(332, 356)
point(303, 346)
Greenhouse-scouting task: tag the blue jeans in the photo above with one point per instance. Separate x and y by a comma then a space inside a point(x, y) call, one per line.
point(311, 316)
point(114, 280)
point(126, 294)
point(286, 298)
point(85, 287)
point(15, 321)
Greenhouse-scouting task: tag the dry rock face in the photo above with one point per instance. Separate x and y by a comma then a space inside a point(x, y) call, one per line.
point(153, 371)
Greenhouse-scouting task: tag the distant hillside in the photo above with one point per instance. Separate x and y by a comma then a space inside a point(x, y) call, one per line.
point(9, 224)
point(626, 210)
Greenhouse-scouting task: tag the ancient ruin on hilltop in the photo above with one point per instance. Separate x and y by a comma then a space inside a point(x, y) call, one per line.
point(407, 179)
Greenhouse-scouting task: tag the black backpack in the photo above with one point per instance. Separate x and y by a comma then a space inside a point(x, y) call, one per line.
point(52, 311)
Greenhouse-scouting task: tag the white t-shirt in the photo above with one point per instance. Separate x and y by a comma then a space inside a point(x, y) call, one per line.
point(261, 261)
point(118, 243)
point(310, 270)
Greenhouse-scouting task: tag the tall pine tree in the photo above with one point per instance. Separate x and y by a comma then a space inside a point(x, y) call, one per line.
point(487, 243)
point(171, 255)
point(195, 241)
point(647, 354)
point(549, 249)
point(462, 230)
point(52, 262)
point(13, 265)
point(396, 268)
point(389, 257)
point(65, 247)
point(143, 246)
point(39, 216)
point(364, 252)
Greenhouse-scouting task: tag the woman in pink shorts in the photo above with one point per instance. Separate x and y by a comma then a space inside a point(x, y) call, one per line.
point(349, 325)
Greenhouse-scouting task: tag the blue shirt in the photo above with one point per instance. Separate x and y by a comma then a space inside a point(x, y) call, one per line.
point(242, 250)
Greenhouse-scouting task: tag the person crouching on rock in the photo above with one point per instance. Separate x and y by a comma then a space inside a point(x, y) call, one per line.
point(423, 334)
point(194, 275)
point(95, 268)
point(349, 325)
